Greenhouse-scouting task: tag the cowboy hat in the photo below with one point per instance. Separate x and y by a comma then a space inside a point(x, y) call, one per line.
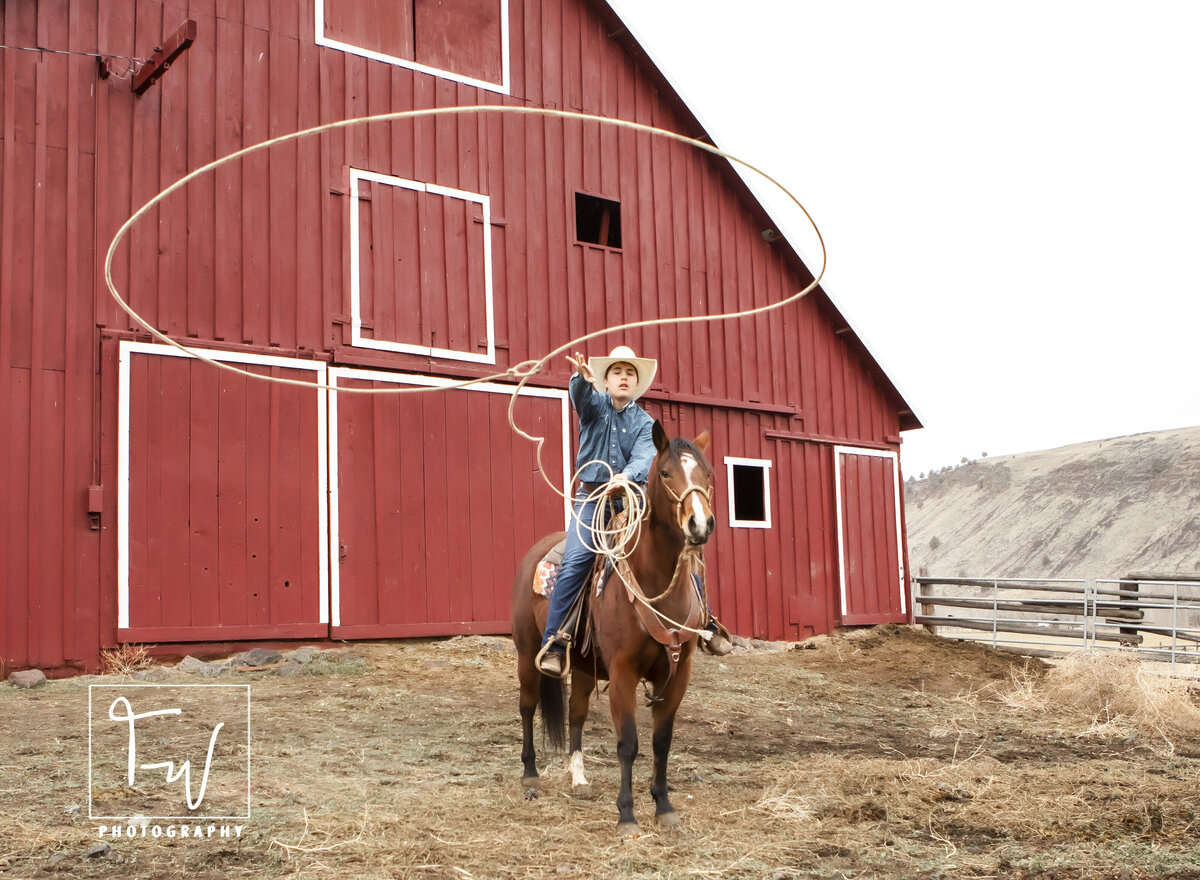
point(623, 354)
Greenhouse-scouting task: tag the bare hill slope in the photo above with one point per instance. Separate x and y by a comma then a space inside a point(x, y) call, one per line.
point(1101, 509)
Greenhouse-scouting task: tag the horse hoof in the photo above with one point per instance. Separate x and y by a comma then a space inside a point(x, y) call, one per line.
point(668, 820)
point(534, 782)
point(583, 792)
point(629, 830)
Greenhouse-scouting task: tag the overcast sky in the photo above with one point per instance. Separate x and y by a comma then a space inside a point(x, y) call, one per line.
point(1009, 194)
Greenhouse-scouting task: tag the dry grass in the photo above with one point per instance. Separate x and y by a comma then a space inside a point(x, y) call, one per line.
point(1113, 695)
point(884, 755)
point(126, 659)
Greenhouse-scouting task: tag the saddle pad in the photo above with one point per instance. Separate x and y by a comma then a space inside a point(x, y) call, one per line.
point(546, 572)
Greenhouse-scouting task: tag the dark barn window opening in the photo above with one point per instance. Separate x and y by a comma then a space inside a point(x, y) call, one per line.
point(749, 493)
point(597, 220)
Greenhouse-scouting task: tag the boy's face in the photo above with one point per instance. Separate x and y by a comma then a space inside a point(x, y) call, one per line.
point(620, 382)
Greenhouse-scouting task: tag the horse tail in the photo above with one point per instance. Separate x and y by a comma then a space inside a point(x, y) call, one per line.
point(554, 718)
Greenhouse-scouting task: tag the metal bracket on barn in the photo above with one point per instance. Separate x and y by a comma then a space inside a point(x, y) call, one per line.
point(149, 72)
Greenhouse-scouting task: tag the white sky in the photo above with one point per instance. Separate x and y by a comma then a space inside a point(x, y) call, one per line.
point(1009, 194)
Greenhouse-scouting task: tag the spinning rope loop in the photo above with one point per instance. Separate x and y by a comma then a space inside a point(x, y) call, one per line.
point(523, 371)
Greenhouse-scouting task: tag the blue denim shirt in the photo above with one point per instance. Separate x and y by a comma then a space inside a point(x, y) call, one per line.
point(624, 439)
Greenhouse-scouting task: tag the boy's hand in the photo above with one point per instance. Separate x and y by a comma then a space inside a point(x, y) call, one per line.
point(579, 362)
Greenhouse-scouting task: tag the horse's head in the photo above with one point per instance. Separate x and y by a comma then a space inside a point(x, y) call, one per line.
point(683, 477)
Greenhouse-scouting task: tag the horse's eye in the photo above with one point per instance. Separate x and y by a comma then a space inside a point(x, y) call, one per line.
point(664, 473)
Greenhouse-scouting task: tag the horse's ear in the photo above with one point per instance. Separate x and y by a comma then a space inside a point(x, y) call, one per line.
point(661, 440)
point(702, 440)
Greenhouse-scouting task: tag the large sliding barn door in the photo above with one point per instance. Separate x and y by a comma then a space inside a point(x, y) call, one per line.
point(222, 523)
point(868, 519)
point(433, 502)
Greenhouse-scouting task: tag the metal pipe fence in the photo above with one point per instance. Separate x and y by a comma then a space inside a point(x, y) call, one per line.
point(1158, 618)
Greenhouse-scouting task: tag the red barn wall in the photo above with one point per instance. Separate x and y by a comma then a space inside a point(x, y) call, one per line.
point(255, 257)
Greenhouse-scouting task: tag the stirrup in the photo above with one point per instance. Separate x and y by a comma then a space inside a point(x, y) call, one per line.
point(715, 640)
point(566, 654)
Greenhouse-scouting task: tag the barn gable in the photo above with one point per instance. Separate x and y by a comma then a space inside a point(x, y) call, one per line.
point(148, 499)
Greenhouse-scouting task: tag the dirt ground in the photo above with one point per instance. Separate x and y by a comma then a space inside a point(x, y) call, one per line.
point(880, 753)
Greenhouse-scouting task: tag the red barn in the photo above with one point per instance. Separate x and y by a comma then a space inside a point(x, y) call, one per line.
point(148, 497)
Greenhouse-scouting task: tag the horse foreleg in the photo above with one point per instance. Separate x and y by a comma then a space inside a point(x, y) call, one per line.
point(582, 686)
point(529, 678)
point(664, 727)
point(622, 698)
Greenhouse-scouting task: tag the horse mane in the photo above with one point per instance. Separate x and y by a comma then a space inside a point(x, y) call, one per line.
point(681, 445)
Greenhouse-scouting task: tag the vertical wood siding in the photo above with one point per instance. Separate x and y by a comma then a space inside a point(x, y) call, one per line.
point(254, 257)
point(224, 490)
point(436, 504)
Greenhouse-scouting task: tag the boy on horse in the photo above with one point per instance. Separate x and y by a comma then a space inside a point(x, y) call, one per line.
point(613, 430)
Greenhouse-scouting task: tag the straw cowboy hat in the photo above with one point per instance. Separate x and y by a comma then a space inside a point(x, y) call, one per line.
point(623, 354)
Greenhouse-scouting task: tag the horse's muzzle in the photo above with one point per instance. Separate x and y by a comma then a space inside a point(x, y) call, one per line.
point(699, 531)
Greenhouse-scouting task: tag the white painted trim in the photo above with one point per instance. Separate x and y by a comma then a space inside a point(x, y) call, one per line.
point(123, 356)
point(356, 337)
point(336, 373)
point(125, 353)
point(765, 465)
point(838, 452)
point(503, 87)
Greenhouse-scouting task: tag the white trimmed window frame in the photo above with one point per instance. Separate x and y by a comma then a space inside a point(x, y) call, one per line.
point(356, 319)
point(503, 87)
point(125, 355)
point(416, 379)
point(765, 466)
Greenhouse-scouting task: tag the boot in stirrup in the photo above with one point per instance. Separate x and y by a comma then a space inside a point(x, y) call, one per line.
point(718, 644)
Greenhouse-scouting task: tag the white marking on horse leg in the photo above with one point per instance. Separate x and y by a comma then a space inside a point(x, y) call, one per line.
point(576, 768)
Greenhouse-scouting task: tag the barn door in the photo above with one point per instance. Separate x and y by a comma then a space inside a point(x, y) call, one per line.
point(867, 483)
point(221, 518)
point(433, 502)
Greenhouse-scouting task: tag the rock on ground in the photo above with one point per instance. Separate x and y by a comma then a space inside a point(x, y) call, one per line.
point(300, 655)
point(193, 666)
point(154, 673)
point(27, 678)
point(255, 657)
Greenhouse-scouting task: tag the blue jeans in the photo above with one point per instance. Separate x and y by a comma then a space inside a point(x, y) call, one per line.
point(576, 564)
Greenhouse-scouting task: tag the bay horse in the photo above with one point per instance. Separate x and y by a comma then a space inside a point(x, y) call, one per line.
point(678, 521)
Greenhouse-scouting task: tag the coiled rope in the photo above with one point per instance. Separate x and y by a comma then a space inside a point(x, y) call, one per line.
point(616, 543)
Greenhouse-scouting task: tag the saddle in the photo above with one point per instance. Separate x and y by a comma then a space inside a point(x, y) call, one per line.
point(545, 575)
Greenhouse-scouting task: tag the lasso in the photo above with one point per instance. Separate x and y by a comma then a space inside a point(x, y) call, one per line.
point(615, 544)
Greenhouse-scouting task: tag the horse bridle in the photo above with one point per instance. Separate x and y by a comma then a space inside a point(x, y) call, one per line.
point(680, 498)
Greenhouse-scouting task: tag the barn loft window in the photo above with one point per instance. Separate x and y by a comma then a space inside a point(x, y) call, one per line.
point(462, 40)
point(420, 259)
point(749, 492)
point(597, 220)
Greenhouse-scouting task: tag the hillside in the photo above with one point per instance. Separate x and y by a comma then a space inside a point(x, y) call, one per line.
point(1101, 509)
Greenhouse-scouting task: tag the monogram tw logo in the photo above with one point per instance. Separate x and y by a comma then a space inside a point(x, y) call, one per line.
point(169, 752)
point(185, 771)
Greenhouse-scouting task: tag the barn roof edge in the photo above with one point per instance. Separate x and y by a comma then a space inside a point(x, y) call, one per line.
point(909, 419)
